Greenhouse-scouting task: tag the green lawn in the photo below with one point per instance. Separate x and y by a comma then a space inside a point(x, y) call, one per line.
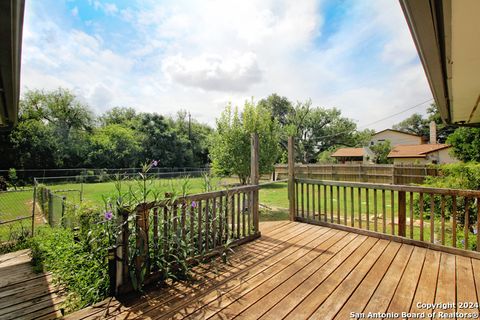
point(13, 205)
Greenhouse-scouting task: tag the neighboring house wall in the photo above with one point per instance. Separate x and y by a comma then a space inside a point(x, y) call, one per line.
point(396, 138)
point(411, 160)
point(439, 157)
point(443, 156)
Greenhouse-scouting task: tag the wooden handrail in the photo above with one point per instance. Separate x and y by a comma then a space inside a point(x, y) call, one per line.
point(439, 191)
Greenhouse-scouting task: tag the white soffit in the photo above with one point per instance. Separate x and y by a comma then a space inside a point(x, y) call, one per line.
point(464, 65)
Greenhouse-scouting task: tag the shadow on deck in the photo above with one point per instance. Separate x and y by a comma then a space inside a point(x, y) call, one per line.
point(298, 271)
point(25, 294)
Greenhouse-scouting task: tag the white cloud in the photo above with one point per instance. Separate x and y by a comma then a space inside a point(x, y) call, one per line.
point(199, 55)
point(213, 72)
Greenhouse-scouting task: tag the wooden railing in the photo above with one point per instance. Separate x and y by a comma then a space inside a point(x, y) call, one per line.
point(196, 225)
point(404, 211)
point(370, 173)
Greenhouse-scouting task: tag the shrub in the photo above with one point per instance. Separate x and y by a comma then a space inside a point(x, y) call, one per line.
point(453, 176)
point(78, 264)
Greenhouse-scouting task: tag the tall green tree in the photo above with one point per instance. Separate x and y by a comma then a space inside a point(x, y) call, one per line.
point(230, 143)
point(381, 151)
point(420, 125)
point(466, 143)
point(115, 146)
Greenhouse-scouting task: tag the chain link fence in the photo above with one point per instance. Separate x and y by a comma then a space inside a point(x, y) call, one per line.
point(16, 214)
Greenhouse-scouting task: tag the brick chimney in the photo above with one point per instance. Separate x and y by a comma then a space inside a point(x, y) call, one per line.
point(433, 132)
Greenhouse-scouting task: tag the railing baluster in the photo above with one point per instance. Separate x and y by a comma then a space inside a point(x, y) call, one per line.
point(244, 231)
point(345, 222)
point(308, 201)
point(454, 221)
point(442, 208)
point(392, 211)
point(303, 202)
point(155, 232)
point(411, 215)
point(233, 216)
point(296, 199)
point(250, 207)
point(199, 230)
point(175, 221)
point(313, 201)
point(325, 210)
point(432, 218)
point(319, 204)
point(225, 220)
point(420, 200)
point(466, 224)
point(352, 207)
point(384, 213)
point(331, 204)
point(360, 208)
point(338, 204)
point(207, 224)
point(367, 198)
point(239, 200)
point(214, 222)
point(183, 218)
point(166, 223)
point(375, 210)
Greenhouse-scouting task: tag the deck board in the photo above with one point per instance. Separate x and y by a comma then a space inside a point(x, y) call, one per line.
point(25, 294)
point(301, 271)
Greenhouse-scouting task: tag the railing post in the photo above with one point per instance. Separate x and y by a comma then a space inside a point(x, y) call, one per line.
point(402, 213)
point(254, 177)
point(291, 179)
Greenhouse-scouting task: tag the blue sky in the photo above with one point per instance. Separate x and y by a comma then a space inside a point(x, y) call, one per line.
point(162, 56)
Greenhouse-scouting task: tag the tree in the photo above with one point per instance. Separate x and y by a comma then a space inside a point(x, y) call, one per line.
point(56, 119)
point(195, 135)
point(419, 125)
point(230, 143)
point(381, 151)
point(114, 146)
point(320, 129)
point(466, 143)
point(414, 124)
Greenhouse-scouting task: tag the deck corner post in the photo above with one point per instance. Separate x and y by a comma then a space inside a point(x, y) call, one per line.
point(291, 178)
point(402, 213)
point(254, 178)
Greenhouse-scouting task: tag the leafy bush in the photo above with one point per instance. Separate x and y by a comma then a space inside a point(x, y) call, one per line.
point(77, 263)
point(452, 176)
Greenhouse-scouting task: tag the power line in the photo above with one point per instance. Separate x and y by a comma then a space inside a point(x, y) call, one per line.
point(380, 120)
point(396, 114)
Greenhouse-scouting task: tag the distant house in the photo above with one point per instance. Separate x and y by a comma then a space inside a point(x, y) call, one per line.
point(353, 155)
point(421, 153)
point(396, 138)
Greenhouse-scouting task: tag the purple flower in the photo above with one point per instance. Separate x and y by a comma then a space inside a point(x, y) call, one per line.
point(475, 231)
point(154, 163)
point(108, 215)
point(463, 241)
point(194, 204)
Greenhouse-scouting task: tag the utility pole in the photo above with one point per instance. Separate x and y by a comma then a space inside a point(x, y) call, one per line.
point(189, 126)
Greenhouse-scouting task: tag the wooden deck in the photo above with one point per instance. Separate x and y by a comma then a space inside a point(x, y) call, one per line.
point(299, 271)
point(25, 294)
